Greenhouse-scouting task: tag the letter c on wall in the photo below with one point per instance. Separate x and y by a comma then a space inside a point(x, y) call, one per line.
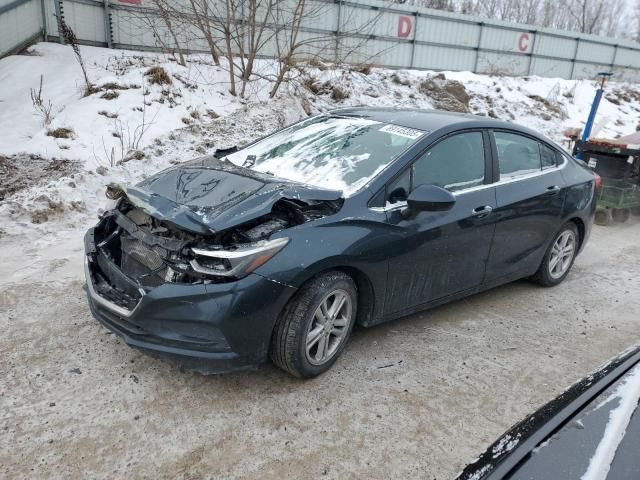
point(523, 42)
point(404, 26)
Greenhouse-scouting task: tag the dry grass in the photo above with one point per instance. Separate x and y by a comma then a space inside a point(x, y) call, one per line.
point(110, 95)
point(363, 68)
point(104, 113)
point(158, 75)
point(61, 132)
point(338, 93)
point(113, 86)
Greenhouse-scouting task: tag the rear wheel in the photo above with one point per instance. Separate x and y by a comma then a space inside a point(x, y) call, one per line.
point(635, 211)
point(604, 217)
point(621, 215)
point(315, 325)
point(558, 259)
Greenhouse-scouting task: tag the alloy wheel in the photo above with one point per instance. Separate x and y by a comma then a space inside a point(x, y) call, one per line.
point(328, 327)
point(562, 254)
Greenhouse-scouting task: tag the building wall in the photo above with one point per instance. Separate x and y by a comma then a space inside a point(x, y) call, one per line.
point(354, 31)
point(20, 23)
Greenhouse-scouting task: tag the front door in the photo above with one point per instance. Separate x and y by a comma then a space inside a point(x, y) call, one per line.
point(436, 254)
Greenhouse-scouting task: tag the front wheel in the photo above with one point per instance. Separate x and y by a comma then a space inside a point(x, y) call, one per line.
point(559, 257)
point(315, 325)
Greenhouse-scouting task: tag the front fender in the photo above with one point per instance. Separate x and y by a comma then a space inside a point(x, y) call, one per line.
point(359, 245)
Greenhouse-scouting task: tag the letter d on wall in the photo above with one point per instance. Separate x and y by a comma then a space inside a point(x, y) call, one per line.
point(404, 26)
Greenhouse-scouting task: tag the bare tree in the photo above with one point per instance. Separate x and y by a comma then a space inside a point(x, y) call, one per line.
point(164, 12)
point(587, 14)
point(596, 17)
point(202, 13)
point(241, 31)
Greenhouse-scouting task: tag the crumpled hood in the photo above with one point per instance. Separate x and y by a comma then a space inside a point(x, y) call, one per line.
point(207, 195)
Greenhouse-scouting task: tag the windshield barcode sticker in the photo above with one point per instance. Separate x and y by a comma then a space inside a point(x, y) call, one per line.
point(402, 131)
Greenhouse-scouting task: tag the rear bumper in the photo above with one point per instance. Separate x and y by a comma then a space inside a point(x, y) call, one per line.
point(211, 328)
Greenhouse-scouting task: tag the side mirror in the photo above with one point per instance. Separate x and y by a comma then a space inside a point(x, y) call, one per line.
point(430, 198)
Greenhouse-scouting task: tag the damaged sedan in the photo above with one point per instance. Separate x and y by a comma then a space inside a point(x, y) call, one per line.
point(358, 216)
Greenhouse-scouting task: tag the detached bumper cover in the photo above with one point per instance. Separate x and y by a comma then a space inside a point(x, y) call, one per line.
point(212, 328)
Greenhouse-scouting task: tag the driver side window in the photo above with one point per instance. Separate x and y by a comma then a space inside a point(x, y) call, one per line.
point(455, 163)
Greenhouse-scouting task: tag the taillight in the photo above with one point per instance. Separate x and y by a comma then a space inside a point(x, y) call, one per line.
point(598, 180)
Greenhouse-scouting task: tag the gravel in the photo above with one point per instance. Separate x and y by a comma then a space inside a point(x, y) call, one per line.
point(421, 396)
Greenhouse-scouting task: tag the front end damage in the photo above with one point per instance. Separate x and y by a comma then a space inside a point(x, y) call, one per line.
point(190, 295)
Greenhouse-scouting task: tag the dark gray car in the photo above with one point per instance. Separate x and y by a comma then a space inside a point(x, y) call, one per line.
point(357, 216)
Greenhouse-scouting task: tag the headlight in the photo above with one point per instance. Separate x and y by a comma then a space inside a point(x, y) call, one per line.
point(238, 262)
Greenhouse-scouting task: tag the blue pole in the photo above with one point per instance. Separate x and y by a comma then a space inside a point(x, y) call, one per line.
point(594, 109)
point(592, 115)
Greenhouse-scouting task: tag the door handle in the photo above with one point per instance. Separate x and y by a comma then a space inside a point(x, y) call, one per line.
point(481, 212)
point(552, 190)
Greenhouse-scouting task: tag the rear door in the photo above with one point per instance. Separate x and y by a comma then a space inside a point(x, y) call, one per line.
point(529, 196)
point(436, 254)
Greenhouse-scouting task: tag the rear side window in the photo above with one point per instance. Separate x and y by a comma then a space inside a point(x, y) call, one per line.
point(455, 163)
point(548, 156)
point(517, 155)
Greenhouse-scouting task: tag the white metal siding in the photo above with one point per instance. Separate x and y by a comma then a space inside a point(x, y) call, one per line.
point(19, 24)
point(369, 31)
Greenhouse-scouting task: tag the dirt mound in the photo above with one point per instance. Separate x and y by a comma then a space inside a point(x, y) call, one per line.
point(21, 171)
point(449, 95)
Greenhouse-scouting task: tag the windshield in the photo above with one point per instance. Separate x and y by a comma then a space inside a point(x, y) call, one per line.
point(328, 152)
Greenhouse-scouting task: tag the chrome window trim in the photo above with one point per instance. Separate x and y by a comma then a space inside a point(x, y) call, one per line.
point(484, 185)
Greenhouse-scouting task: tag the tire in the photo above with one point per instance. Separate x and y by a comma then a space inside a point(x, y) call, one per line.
point(620, 215)
point(302, 317)
point(603, 217)
point(552, 271)
point(635, 211)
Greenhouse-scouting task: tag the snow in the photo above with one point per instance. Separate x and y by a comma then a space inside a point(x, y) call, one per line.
point(628, 394)
point(506, 444)
point(318, 152)
point(195, 114)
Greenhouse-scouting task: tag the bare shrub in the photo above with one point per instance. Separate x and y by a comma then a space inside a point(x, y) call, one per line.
point(41, 106)
point(131, 138)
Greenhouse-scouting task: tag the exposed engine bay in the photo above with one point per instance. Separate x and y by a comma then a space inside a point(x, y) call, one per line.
point(151, 251)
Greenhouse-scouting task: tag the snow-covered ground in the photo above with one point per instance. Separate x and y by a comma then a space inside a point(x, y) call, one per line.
point(194, 114)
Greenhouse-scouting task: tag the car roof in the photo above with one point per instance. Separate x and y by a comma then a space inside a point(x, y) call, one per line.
point(429, 120)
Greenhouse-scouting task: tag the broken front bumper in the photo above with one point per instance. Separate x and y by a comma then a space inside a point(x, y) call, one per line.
point(211, 328)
